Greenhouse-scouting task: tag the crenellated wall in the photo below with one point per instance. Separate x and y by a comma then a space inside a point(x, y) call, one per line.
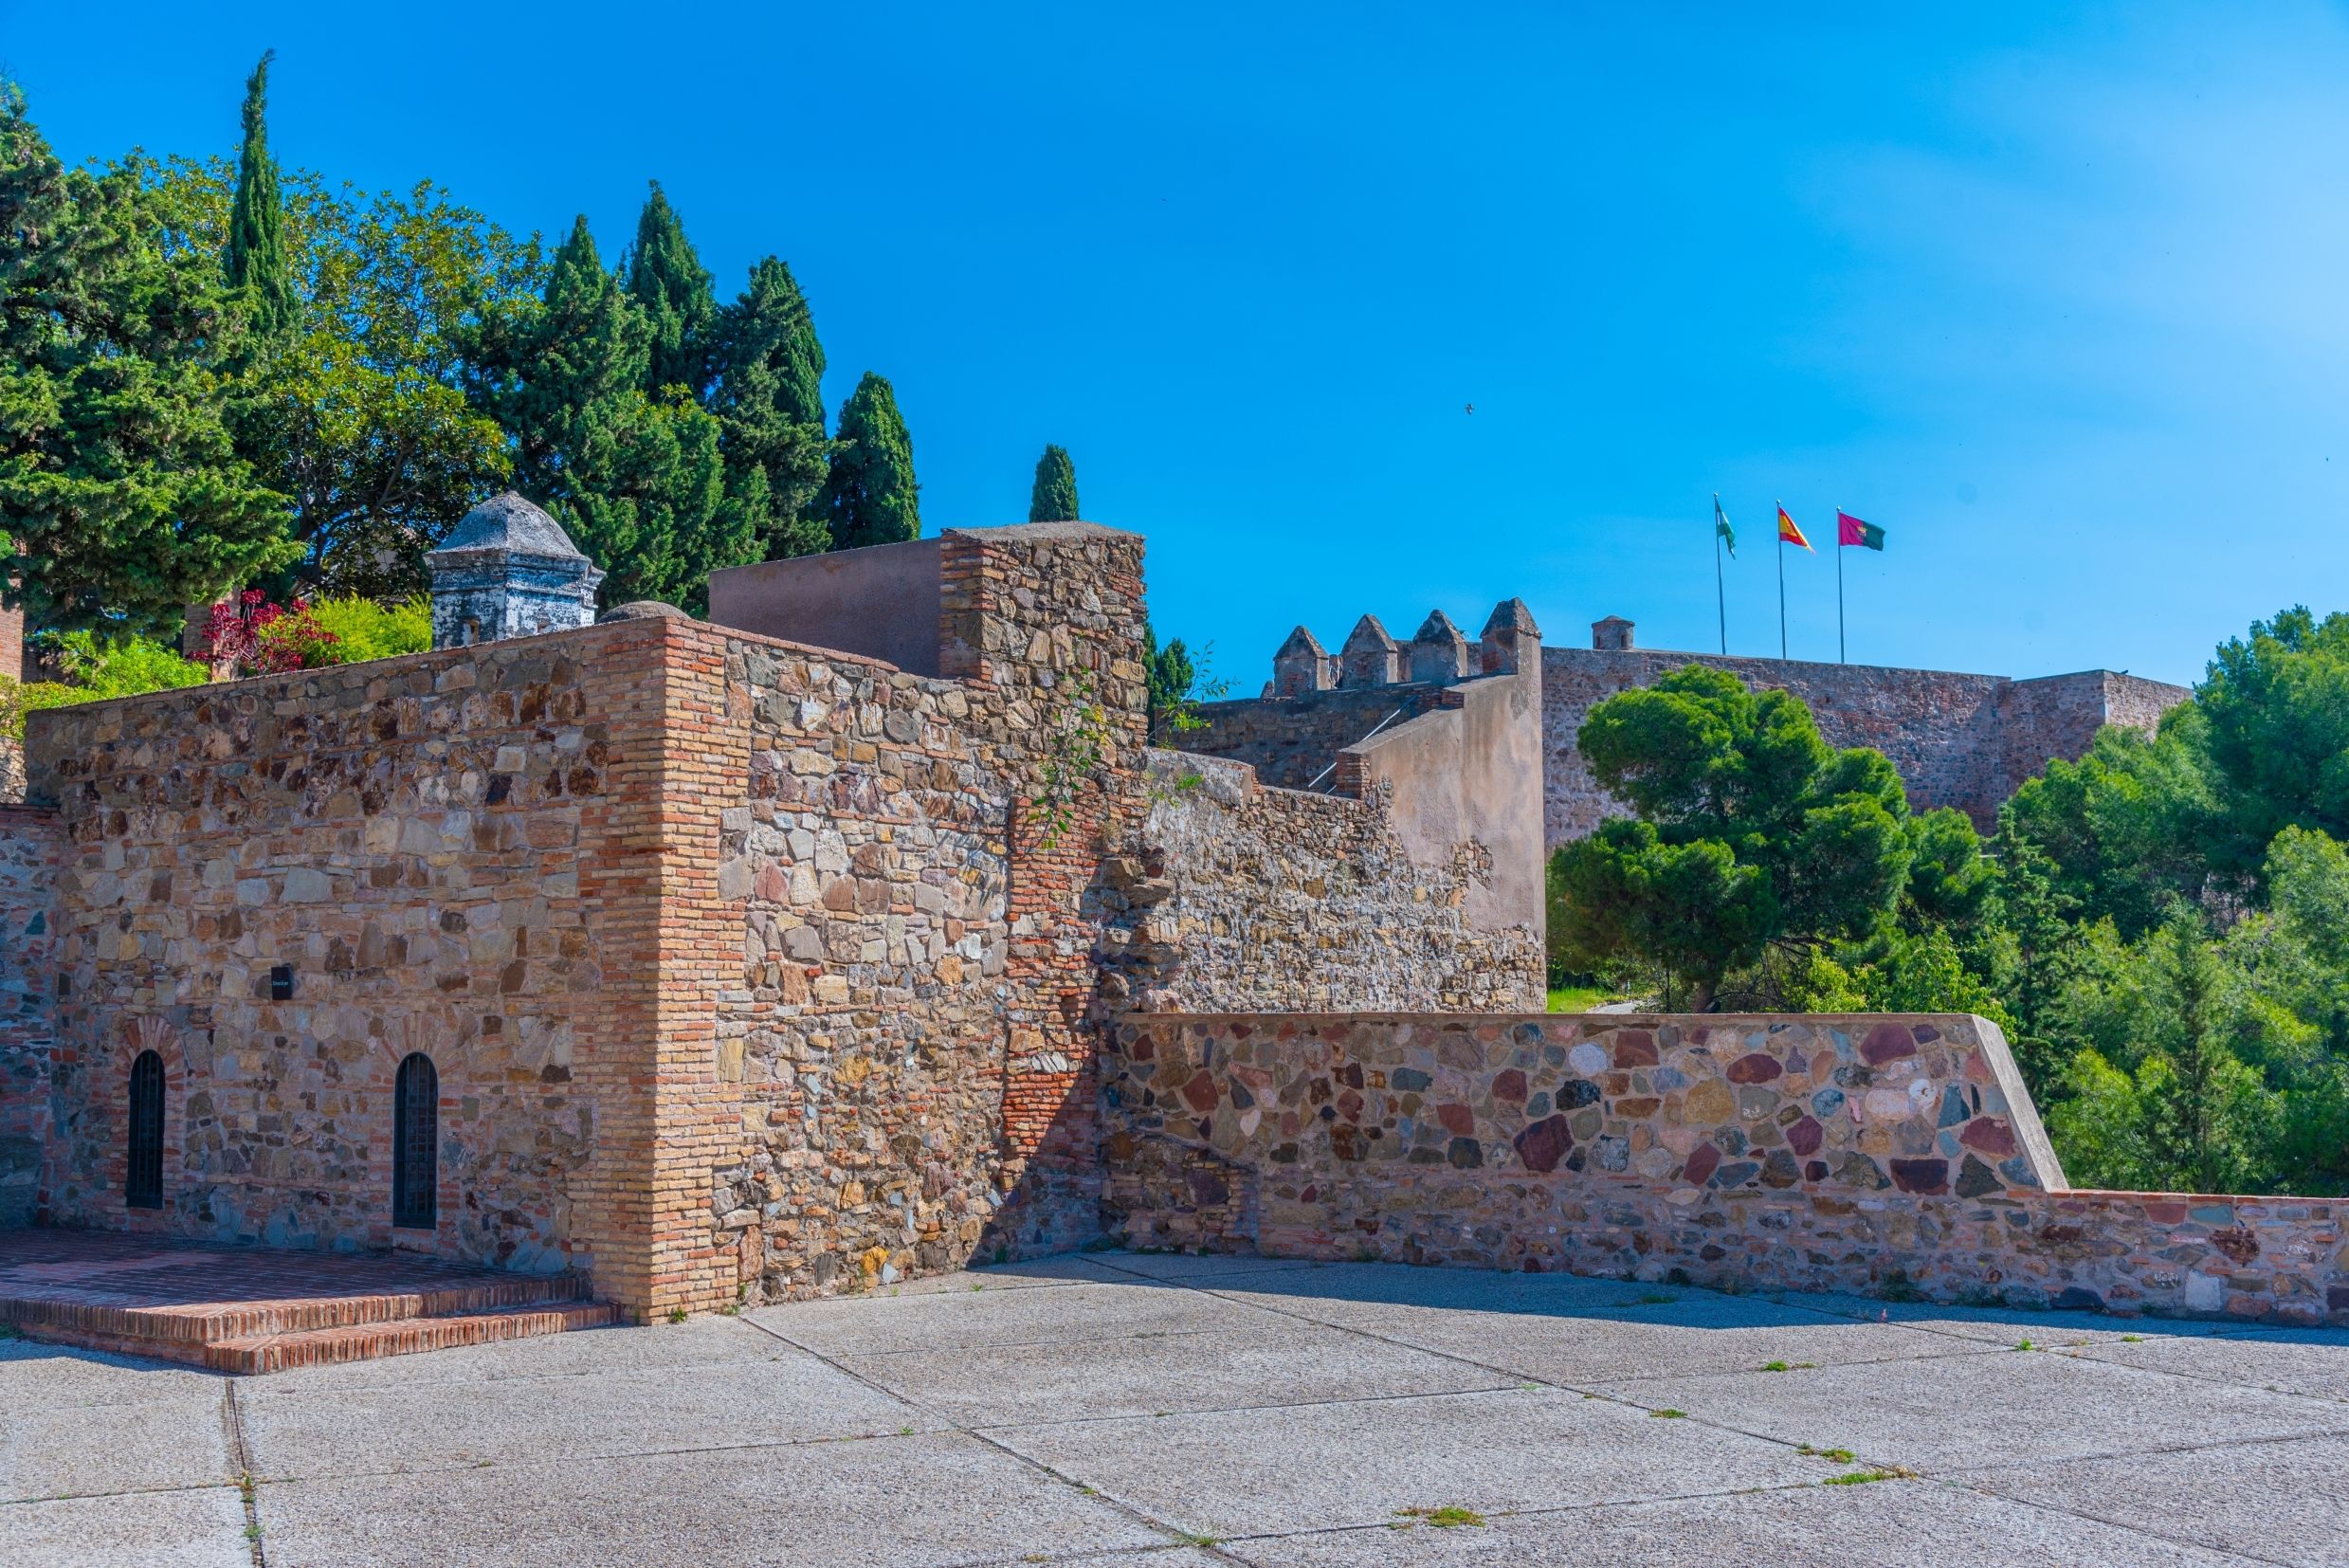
point(1867, 1153)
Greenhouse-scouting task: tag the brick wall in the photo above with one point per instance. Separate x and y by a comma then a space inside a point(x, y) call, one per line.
point(29, 847)
point(1957, 739)
point(1867, 1153)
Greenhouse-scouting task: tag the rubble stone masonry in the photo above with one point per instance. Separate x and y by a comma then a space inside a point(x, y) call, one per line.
point(1870, 1153)
point(29, 846)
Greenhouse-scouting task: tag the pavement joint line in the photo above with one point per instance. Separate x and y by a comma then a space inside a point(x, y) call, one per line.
point(2131, 1526)
point(1140, 1516)
point(232, 1419)
point(119, 1491)
point(1517, 1387)
point(292, 1478)
point(2086, 1354)
point(1035, 1344)
point(1599, 1393)
point(2105, 1455)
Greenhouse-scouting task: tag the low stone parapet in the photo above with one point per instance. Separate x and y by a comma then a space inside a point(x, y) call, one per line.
point(1890, 1154)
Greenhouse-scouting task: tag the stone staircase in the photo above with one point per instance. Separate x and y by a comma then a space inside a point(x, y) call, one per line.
point(255, 1309)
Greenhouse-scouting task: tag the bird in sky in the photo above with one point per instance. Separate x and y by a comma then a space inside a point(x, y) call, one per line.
point(1471, 409)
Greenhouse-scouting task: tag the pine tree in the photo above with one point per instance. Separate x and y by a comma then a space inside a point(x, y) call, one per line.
point(1054, 497)
point(870, 496)
point(117, 477)
point(769, 401)
point(672, 288)
point(637, 479)
point(256, 262)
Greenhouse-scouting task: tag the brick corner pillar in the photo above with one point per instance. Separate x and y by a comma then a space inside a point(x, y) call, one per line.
point(667, 1111)
point(1050, 616)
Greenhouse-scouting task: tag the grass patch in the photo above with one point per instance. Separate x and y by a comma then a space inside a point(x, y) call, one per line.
point(2132, 1339)
point(1790, 1366)
point(1861, 1478)
point(2025, 1344)
point(1841, 1456)
point(1438, 1519)
point(677, 1314)
point(1668, 1415)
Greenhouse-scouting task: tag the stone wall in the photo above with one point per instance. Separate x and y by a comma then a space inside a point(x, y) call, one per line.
point(1957, 739)
point(1293, 742)
point(1822, 1152)
point(1256, 898)
point(29, 848)
point(448, 853)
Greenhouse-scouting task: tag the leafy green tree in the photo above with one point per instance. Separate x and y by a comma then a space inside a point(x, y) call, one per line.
point(255, 256)
point(870, 496)
point(769, 403)
point(1053, 499)
point(2162, 1095)
point(1748, 831)
point(671, 288)
point(361, 416)
point(118, 477)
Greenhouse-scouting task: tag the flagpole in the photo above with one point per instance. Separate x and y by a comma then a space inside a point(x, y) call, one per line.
point(1721, 594)
point(1782, 532)
point(1839, 586)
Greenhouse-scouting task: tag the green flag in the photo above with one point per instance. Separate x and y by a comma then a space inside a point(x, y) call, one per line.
point(1720, 527)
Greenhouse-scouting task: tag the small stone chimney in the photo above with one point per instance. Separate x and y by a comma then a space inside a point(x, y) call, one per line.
point(508, 570)
point(1511, 641)
point(1370, 657)
point(1439, 652)
point(1300, 667)
point(1612, 635)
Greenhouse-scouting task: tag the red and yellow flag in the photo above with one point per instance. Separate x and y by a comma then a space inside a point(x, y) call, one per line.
point(1788, 532)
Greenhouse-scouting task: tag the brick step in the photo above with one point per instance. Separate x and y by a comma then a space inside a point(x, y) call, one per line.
point(365, 1341)
point(180, 1332)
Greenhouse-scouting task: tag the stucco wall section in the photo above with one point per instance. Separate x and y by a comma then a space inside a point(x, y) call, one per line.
point(1467, 774)
point(30, 844)
point(1823, 1152)
point(881, 602)
point(1957, 739)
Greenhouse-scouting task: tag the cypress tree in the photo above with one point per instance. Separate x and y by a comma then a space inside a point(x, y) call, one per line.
point(256, 262)
point(672, 288)
point(769, 401)
point(870, 496)
point(637, 479)
point(1054, 497)
point(119, 479)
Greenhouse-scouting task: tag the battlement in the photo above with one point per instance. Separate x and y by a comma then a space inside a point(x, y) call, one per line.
point(1439, 653)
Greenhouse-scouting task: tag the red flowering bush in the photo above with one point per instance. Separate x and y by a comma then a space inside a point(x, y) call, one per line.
point(248, 635)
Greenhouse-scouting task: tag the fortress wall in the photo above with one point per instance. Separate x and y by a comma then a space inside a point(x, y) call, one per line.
point(1292, 740)
point(30, 844)
point(428, 845)
point(1957, 739)
point(1275, 900)
point(1864, 1153)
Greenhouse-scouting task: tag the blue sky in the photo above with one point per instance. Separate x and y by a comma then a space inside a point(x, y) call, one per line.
point(2054, 294)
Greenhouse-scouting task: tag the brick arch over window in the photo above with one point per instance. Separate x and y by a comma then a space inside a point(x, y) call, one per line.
point(151, 1062)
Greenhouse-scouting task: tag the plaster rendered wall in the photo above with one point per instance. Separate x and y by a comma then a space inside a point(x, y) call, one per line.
point(1468, 775)
point(1817, 1153)
point(1957, 739)
point(30, 844)
point(1275, 900)
point(882, 601)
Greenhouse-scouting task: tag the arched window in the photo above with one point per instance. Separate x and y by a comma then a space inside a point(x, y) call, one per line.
point(416, 1142)
point(142, 1185)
